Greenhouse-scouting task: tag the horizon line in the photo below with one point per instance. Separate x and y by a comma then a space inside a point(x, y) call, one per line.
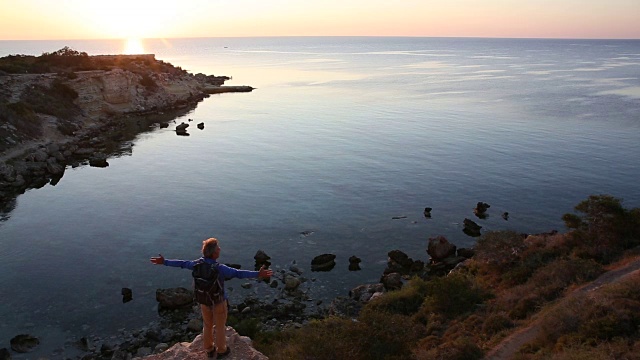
point(323, 36)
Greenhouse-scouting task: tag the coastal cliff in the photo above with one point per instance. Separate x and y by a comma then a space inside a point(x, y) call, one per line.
point(60, 108)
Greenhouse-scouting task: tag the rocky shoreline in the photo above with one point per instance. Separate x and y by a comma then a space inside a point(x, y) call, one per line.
point(289, 306)
point(52, 121)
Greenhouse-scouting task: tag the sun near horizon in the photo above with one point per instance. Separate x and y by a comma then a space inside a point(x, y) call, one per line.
point(138, 19)
point(133, 46)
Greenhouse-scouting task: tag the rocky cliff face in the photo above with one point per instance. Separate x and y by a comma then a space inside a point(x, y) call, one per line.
point(116, 92)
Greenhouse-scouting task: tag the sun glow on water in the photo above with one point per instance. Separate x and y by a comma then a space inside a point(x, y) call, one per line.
point(133, 46)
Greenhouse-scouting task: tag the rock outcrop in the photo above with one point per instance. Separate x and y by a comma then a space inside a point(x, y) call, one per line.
point(241, 348)
point(439, 248)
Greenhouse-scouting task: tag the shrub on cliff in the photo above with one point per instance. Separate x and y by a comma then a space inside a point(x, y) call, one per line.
point(603, 228)
point(20, 116)
point(374, 336)
point(21, 64)
point(452, 296)
point(547, 283)
point(405, 301)
point(65, 59)
point(56, 100)
point(592, 324)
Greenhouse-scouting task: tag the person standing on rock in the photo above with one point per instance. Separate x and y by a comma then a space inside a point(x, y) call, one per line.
point(214, 312)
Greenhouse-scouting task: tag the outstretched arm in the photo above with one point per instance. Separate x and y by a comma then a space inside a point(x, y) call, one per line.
point(159, 260)
point(264, 273)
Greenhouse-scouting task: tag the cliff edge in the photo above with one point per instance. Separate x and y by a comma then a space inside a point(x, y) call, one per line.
point(241, 349)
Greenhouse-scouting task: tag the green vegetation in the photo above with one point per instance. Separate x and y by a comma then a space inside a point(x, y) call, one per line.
point(511, 278)
point(56, 100)
point(66, 61)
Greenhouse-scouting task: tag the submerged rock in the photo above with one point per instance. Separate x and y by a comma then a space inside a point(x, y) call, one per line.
point(127, 295)
point(354, 263)
point(24, 343)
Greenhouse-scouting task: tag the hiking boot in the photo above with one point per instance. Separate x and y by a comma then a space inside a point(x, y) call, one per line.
point(212, 354)
point(224, 354)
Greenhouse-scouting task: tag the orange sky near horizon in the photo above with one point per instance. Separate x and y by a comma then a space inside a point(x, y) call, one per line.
point(89, 19)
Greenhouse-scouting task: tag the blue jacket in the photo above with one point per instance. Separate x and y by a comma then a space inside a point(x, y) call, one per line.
point(225, 271)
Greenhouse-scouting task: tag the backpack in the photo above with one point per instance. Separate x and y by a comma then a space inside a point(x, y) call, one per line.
point(208, 289)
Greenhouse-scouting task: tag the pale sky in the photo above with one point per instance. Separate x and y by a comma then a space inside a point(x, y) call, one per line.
point(92, 19)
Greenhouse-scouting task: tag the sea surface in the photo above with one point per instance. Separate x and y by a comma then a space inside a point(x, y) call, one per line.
point(341, 135)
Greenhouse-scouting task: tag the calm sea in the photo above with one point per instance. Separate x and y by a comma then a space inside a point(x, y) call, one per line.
point(340, 136)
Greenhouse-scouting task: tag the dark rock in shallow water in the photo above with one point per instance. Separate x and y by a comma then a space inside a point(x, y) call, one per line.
point(481, 209)
point(471, 228)
point(400, 258)
point(98, 162)
point(324, 267)
point(182, 127)
point(354, 263)
point(85, 344)
point(24, 343)
point(174, 298)
point(261, 256)
point(262, 259)
point(323, 259)
point(5, 354)
point(324, 262)
point(427, 212)
point(127, 295)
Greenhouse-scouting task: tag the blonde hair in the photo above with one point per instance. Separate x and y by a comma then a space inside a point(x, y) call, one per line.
point(209, 247)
